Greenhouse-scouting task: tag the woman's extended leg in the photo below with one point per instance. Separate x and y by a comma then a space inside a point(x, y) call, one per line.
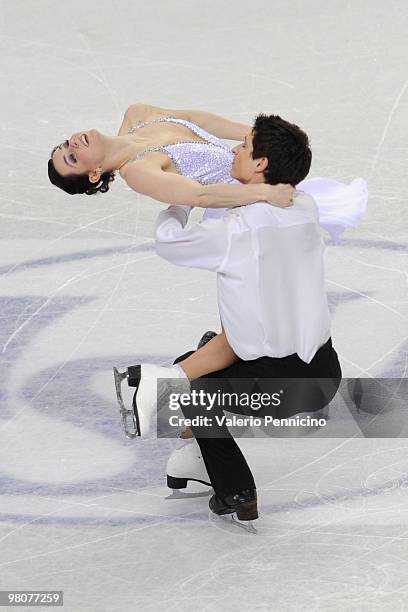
point(213, 356)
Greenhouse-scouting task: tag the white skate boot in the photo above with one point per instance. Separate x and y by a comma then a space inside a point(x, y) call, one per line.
point(186, 463)
point(144, 378)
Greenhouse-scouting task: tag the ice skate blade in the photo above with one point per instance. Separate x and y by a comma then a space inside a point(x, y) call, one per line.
point(130, 422)
point(181, 483)
point(178, 494)
point(231, 524)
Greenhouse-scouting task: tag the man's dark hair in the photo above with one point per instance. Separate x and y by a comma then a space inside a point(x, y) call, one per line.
point(79, 183)
point(285, 145)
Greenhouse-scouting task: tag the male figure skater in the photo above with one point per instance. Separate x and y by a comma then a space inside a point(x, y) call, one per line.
point(271, 295)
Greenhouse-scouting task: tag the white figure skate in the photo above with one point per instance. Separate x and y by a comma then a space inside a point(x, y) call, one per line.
point(184, 464)
point(136, 420)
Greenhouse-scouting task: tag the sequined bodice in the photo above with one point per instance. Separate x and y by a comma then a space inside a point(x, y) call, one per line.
point(207, 162)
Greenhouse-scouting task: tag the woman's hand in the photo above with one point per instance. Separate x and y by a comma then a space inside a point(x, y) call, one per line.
point(280, 195)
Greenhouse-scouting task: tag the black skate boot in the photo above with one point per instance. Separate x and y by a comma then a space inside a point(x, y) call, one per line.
point(244, 504)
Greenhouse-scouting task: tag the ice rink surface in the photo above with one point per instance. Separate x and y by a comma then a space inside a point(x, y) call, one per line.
point(84, 510)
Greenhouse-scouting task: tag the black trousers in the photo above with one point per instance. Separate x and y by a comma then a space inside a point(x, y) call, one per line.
point(226, 465)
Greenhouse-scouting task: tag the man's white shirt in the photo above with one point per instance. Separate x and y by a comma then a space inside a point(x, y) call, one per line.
point(270, 273)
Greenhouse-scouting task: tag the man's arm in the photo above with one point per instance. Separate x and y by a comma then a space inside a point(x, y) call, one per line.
point(203, 245)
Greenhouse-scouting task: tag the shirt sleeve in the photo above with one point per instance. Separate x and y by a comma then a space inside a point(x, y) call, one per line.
point(203, 245)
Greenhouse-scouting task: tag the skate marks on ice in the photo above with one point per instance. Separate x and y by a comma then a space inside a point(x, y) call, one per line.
point(66, 413)
point(82, 255)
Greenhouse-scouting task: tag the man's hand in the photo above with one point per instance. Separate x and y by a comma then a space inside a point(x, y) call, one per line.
point(280, 195)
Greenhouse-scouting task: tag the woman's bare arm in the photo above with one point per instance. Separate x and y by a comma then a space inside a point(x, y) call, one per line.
point(147, 177)
point(215, 124)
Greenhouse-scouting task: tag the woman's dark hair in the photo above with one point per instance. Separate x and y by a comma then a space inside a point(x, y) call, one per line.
point(285, 145)
point(75, 183)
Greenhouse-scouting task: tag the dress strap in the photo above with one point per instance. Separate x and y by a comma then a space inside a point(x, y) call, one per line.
point(139, 155)
point(200, 132)
point(141, 124)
